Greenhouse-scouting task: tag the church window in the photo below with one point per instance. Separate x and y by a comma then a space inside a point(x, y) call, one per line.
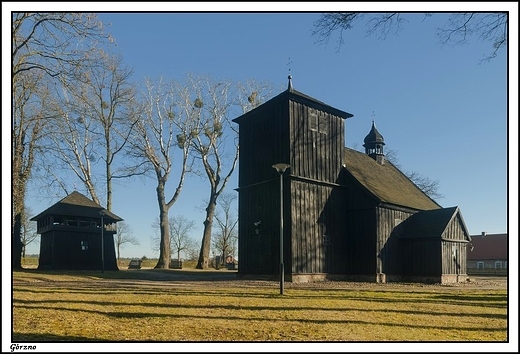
point(318, 121)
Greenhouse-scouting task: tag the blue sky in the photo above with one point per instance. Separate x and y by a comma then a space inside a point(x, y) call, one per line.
point(443, 110)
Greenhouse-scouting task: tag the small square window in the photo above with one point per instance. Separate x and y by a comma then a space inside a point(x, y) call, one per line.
point(326, 240)
point(318, 121)
point(313, 120)
point(322, 124)
point(84, 245)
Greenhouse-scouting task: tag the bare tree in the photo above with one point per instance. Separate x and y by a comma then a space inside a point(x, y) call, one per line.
point(180, 229)
point(44, 46)
point(226, 236)
point(124, 235)
point(211, 106)
point(164, 131)
point(458, 29)
point(192, 251)
point(429, 186)
point(29, 117)
point(215, 138)
point(94, 125)
point(29, 233)
point(180, 240)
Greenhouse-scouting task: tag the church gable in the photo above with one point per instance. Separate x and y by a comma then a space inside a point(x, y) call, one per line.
point(446, 224)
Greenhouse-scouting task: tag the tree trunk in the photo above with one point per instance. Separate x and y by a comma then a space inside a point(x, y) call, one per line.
point(17, 242)
point(108, 174)
point(203, 262)
point(164, 250)
point(19, 178)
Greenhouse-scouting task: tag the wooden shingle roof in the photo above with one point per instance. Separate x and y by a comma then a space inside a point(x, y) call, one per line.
point(76, 204)
point(432, 223)
point(386, 182)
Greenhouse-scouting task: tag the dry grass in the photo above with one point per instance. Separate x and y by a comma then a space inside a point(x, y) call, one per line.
point(154, 305)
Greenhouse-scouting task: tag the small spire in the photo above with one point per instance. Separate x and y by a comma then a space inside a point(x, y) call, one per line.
point(374, 143)
point(289, 87)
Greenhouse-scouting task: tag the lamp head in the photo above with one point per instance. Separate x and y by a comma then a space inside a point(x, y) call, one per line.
point(102, 212)
point(281, 167)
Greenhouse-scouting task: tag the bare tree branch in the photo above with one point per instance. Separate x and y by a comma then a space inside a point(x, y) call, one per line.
point(180, 240)
point(429, 186)
point(124, 235)
point(459, 28)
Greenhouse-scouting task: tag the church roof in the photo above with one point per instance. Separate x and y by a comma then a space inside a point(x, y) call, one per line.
point(294, 95)
point(386, 182)
point(432, 223)
point(76, 204)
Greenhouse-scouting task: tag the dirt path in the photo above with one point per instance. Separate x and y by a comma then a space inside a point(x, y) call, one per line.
point(229, 278)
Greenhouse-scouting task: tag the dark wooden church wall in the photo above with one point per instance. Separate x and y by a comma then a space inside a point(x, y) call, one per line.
point(335, 227)
point(318, 232)
point(259, 244)
point(316, 152)
point(62, 250)
point(361, 244)
point(65, 251)
point(421, 256)
point(454, 248)
point(45, 259)
point(454, 257)
point(388, 258)
point(263, 140)
point(360, 216)
point(357, 197)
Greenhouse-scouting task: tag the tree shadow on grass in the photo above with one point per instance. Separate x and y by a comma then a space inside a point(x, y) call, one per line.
point(47, 337)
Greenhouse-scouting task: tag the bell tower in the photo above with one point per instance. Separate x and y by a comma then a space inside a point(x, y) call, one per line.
point(292, 129)
point(374, 143)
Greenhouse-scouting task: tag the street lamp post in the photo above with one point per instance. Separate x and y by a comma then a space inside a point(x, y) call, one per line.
point(280, 168)
point(102, 213)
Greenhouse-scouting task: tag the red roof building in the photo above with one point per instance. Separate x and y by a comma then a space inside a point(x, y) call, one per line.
point(488, 251)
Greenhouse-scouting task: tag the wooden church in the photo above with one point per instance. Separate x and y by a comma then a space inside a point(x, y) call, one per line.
point(77, 233)
point(346, 214)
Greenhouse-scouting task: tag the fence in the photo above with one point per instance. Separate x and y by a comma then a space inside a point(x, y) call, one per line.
point(487, 271)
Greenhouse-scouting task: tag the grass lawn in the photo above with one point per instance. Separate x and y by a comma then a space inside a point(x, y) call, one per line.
point(170, 306)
